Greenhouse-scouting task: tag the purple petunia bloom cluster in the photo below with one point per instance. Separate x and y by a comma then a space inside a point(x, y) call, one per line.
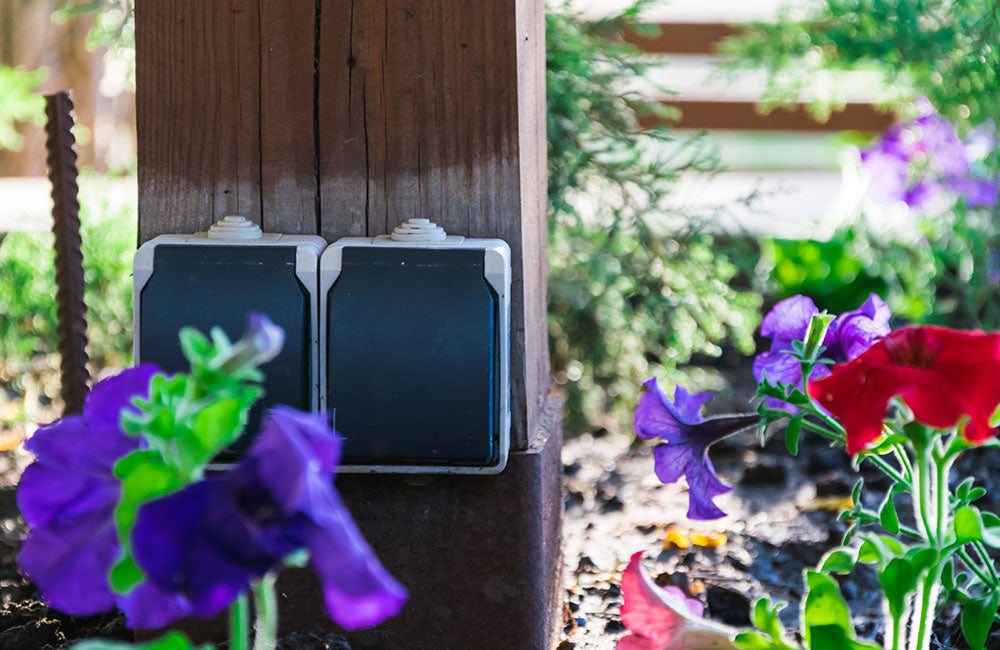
point(202, 546)
point(208, 541)
point(688, 436)
point(914, 161)
point(848, 336)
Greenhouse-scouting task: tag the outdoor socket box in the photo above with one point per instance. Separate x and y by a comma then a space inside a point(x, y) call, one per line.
point(217, 279)
point(415, 350)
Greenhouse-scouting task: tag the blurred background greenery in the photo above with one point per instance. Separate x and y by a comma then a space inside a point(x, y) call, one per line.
point(677, 211)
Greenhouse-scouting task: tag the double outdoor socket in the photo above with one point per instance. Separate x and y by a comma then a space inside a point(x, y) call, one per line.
point(404, 337)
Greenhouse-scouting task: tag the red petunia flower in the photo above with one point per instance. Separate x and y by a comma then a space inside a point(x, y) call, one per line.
point(941, 374)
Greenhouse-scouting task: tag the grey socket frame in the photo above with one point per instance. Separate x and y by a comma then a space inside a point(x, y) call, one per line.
point(497, 272)
point(307, 253)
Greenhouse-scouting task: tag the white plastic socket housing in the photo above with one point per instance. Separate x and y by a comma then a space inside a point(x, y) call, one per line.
point(238, 231)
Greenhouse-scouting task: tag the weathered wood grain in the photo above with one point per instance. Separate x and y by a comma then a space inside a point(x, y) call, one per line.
point(287, 112)
point(198, 113)
point(436, 109)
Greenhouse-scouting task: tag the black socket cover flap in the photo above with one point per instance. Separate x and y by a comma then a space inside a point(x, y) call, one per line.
point(413, 361)
point(206, 286)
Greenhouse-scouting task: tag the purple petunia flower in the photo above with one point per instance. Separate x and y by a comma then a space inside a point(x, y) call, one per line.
point(68, 497)
point(855, 331)
point(207, 542)
point(688, 436)
point(913, 161)
point(849, 335)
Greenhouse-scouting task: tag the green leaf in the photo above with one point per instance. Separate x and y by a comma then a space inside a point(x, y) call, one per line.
point(870, 551)
point(921, 558)
point(194, 345)
point(887, 514)
point(968, 524)
point(995, 418)
point(879, 548)
point(918, 434)
point(797, 398)
point(887, 443)
point(125, 574)
point(856, 492)
point(948, 575)
point(977, 619)
point(646, 29)
point(144, 477)
point(172, 641)
point(849, 534)
point(990, 529)
point(838, 561)
point(753, 641)
point(824, 606)
point(962, 491)
point(792, 433)
point(814, 335)
point(976, 493)
point(765, 617)
point(833, 637)
point(898, 579)
point(215, 427)
point(893, 544)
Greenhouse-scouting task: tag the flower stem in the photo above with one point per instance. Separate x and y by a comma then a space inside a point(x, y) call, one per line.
point(925, 615)
point(994, 580)
point(266, 603)
point(898, 630)
point(239, 620)
point(823, 431)
point(974, 567)
point(922, 493)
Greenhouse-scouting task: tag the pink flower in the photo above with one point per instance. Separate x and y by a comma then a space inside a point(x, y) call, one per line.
point(663, 618)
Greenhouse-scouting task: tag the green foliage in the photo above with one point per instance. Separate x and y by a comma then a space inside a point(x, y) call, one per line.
point(841, 273)
point(186, 421)
point(945, 51)
point(112, 27)
point(636, 288)
point(946, 273)
point(977, 619)
point(771, 635)
point(27, 292)
point(19, 102)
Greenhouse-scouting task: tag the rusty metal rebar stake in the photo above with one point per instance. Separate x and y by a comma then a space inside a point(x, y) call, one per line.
point(71, 311)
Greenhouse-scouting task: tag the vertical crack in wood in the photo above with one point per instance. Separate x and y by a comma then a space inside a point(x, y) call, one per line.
point(71, 309)
point(384, 108)
point(260, 112)
point(368, 167)
point(318, 205)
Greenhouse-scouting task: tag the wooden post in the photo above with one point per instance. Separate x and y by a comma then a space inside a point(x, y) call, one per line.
point(340, 117)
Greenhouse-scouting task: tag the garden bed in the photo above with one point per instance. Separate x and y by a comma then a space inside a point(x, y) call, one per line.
point(782, 518)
